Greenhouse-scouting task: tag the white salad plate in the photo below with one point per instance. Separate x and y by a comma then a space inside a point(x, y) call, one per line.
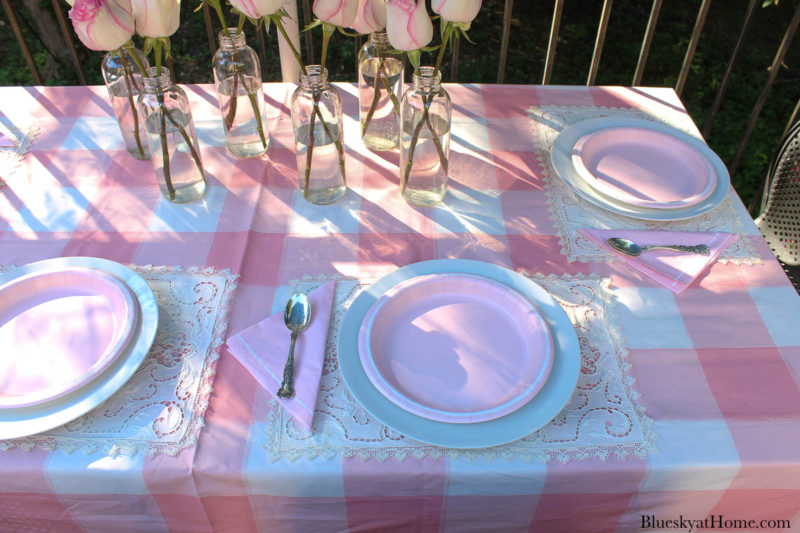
point(60, 329)
point(455, 347)
point(713, 189)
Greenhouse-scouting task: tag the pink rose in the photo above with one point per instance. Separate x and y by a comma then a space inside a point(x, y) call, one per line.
point(255, 9)
point(371, 16)
point(102, 24)
point(337, 12)
point(457, 10)
point(408, 24)
point(156, 18)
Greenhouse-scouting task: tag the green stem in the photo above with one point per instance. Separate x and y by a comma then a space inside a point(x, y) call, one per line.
point(375, 97)
point(326, 35)
point(126, 71)
point(277, 20)
point(163, 129)
point(239, 77)
point(427, 100)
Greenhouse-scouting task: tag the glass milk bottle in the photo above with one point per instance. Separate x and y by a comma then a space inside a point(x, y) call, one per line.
point(174, 150)
point(124, 83)
point(319, 139)
point(425, 114)
point(241, 98)
point(380, 86)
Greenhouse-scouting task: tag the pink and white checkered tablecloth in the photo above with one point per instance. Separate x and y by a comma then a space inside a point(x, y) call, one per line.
point(717, 366)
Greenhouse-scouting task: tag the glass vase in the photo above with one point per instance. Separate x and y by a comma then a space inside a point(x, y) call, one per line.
point(425, 112)
point(319, 146)
point(124, 83)
point(380, 86)
point(241, 98)
point(174, 150)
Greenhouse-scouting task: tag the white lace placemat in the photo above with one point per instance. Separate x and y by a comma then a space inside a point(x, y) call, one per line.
point(604, 416)
point(161, 409)
point(10, 156)
point(569, 212)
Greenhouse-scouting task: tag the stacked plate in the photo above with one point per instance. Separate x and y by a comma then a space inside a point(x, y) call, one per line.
point(459, 353)
point(73, 330)
point(640, 168)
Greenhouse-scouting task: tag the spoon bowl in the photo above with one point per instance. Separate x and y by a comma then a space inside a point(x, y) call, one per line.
point(296, 316)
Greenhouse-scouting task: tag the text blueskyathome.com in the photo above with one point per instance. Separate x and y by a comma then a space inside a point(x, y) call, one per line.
point(711, 522)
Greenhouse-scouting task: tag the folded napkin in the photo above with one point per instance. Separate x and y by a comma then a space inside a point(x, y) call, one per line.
point(263, 347)
point(674, 270)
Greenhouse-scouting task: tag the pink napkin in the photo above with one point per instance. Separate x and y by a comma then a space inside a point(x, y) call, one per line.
point(674, 270)
point(262, 349)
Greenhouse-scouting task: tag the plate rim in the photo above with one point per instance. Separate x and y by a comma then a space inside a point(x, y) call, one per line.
point(601, 187)
point(541, 409)
point(393, 394)
point(17, 422)
point(124, 335)
point(561, 161)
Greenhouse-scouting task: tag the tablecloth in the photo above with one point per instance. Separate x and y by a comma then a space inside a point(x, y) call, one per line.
point(716, 367)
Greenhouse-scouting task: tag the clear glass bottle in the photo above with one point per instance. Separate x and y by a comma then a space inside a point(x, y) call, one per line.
point(425, 112)
point(124, 83)
point(380, 86)
point(174, 150)
point(241, 98)
point(318, 136)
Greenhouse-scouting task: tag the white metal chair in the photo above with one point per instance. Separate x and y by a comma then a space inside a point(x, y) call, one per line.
point(779, 219)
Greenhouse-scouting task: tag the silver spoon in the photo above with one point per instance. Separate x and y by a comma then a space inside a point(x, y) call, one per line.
point(628, 247)
point(296, 316)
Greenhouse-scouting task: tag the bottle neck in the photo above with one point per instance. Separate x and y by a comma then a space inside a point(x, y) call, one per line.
point(380, 38)
point(314, 77)
point(154, 83)
point(232, 39)
point(123, 59)
point(427, 80)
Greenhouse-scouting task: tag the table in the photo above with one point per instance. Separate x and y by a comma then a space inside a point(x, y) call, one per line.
point(717, 366)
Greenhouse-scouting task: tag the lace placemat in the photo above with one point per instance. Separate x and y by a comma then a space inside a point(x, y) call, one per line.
point(161, 409)
point(604, 416)
point(10, 156)
point(569, 212)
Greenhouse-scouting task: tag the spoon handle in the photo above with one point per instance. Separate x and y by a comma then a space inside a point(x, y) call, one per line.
point(287, 387)
point(701, 249)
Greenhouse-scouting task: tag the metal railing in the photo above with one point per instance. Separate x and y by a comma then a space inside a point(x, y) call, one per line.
point(551, 56)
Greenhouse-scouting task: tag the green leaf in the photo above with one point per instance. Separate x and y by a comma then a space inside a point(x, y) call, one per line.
point(349, 34)
point(414, 58)
point(167, 47)
point(317, 22)
point(465, 36)
point(149, 43)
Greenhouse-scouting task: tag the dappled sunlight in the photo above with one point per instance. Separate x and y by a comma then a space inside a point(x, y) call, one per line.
point(109, 464)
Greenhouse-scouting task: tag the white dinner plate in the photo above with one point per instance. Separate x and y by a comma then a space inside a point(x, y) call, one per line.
point(32, 419)
point(543, 407)
point(455, 347)
point(562, 160)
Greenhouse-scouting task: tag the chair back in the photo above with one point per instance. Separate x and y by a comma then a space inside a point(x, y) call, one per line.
point(779, 219)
